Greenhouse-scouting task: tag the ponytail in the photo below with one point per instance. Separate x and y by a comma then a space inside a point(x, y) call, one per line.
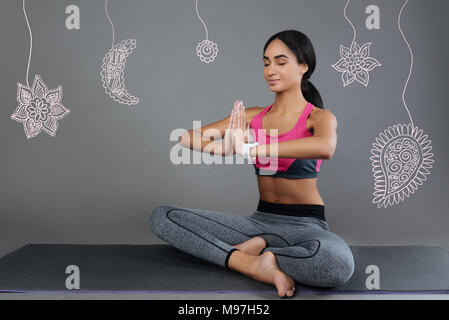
point(311, 93)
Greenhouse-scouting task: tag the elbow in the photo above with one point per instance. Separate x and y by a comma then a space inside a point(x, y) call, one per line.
point(329, 151)
point(184, 139)
point(326, 156)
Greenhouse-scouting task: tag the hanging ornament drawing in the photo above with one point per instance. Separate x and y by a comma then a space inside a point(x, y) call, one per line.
point(401, 155)
point(113, 68)
point(39, 107)
point(355, 62)
point(207, 50)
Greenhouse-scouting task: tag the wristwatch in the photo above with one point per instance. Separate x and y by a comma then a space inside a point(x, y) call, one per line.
point(246, 147)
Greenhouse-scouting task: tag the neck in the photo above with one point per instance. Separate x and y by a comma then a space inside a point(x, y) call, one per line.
point(289, 101)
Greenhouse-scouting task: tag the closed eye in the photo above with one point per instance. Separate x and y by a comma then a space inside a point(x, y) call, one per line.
point(281, 64)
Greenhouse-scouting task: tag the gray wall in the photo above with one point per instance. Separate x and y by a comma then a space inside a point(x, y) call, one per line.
point(98, 180)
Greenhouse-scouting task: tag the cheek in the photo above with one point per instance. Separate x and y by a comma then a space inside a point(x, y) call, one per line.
point(291, 77)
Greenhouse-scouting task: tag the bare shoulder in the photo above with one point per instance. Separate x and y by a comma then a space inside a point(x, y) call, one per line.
point(251, 112)
point(322, 115)
point(324, 123)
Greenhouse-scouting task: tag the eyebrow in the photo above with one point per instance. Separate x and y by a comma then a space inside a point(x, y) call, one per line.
point(277, 57)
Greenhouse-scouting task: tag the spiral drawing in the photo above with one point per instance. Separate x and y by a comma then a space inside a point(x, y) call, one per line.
point(206, 50)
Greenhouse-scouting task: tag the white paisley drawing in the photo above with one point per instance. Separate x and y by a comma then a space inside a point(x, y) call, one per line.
point(400, 156)
point(207, 50)
point(113, 68)
point(355, 62)
point(39, 107)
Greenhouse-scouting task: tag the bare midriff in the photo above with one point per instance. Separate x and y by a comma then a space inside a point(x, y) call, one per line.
point(284, 190)
point(289, 191)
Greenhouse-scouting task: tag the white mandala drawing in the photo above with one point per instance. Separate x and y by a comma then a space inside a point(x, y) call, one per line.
point(401, 156)
point(355, 62)
point(113, 68)
point(206, 50)
point(39, 108)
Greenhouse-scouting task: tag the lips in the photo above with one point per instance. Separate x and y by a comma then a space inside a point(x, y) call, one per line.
point(273, 81)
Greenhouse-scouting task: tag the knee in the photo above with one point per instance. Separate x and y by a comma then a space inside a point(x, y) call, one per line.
point(158, 218)
point(336, 267)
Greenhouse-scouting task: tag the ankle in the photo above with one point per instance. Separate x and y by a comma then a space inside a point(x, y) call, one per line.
point(242, 262)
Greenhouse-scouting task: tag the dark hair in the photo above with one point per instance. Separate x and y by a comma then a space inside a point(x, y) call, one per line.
point(302, 47)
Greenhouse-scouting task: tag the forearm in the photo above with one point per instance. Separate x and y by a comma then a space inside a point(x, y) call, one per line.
point(304, 148)
point(195, 141)
point(213, 147)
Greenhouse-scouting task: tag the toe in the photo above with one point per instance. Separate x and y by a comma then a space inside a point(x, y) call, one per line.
point(281, 293)
point(261, 241)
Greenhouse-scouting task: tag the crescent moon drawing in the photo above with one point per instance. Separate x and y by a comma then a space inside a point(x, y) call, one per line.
point(112, 72)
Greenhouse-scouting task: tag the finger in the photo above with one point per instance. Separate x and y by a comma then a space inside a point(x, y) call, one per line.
point(240, 114)
point(230, 120)
point(237, 122)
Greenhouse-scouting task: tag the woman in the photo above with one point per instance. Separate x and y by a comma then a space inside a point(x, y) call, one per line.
point(287, 238)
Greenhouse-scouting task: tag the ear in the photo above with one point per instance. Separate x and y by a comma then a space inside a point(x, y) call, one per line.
point(303, 68)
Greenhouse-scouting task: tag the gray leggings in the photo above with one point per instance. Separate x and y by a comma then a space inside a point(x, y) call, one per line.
point(304, 247)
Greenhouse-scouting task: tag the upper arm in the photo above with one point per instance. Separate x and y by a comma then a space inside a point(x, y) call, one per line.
point(216, 130)
point(325, 125)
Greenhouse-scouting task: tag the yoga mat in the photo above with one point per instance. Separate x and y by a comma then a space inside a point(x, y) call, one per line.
point(163, 268)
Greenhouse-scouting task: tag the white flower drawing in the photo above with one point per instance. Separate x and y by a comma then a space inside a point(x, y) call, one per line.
point(355, 63)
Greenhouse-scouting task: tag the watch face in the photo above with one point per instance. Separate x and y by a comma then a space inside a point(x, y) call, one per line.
point(251, 135)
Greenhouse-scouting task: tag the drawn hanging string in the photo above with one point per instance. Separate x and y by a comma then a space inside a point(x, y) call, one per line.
point(401, 154)
point(353, 28)
point(112, 25)
point(207, 50)
point(411, 63)
point(355, 62)
point(39, 108)
point(31, 41)
point(112, 71)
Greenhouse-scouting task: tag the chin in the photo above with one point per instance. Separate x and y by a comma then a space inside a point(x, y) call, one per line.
point(276, 90)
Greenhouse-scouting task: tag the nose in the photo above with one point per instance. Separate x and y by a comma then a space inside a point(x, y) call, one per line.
point(271, 70)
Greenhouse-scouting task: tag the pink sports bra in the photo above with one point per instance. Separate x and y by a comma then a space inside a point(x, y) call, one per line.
point(283, 167)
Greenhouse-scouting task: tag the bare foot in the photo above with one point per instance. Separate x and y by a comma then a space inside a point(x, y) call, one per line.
point(265, 269)
point(252, 246)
